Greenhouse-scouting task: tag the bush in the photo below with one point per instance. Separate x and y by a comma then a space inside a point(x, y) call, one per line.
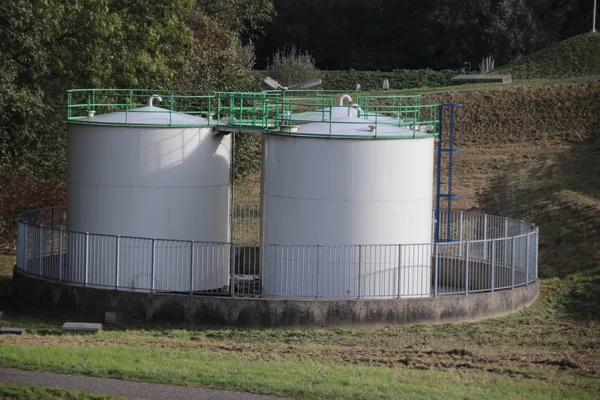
point(291, 66)
point(247, 148)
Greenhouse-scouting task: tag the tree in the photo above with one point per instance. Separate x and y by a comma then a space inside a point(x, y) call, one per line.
point(49, 46)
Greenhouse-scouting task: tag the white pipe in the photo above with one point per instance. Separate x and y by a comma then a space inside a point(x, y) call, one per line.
point(345, 97)
point(355, 106)
point(594, 19)
point(151, 99)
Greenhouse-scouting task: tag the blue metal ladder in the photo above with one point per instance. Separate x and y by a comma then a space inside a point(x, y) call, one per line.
point(448, 195)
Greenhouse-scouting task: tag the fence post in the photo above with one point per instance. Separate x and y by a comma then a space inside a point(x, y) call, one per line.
point(22, 244)
point(460, 231)
point(485, 226)
point(60, 253)
point(87, 258)
point(232, 269)
point(40, 249)
point(359, 268)
point(399, 270)
point(52, 262)
point(537, 245)
point(493, 264)
point(318, 267)
point(512, 264)
point(467, 269)
point(505, 236)
point(527, 261)
point(437, 269)
point(117, 263)
point(283, 273)
point(152, 265)
point(191, 267)
point(53, 217)
point(28, 248)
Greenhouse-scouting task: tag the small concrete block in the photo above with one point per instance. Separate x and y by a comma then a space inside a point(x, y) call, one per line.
point(78, 328)
point(481, 78)
point(12, 331)
point(111, 317)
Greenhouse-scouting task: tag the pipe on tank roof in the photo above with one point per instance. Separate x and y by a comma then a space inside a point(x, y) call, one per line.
point(345, 97)
point(151, 99)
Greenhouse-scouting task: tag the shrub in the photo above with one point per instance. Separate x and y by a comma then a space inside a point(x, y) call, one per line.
point(291, 66)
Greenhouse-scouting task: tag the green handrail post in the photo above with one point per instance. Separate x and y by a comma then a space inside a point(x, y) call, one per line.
point(93, 99)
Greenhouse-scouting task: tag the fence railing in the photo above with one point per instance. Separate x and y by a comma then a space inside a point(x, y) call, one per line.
point(479, 253)
point(267, 110)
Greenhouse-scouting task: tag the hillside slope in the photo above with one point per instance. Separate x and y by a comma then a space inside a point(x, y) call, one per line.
point(577, 56)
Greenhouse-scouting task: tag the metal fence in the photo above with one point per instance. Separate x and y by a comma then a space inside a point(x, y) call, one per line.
point(476, 253)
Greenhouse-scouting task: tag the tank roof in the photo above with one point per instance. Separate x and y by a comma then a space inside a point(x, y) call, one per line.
point(149, 115)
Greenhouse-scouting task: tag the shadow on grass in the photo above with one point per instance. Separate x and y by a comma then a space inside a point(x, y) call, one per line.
point(584, 298)
point(560, 192)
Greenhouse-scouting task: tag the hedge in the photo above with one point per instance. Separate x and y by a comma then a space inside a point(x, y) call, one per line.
point(373, 80)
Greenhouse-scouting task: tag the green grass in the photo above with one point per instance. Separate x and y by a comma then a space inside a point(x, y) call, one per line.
point(303, 378)
point(577, 56)
point(22, 392)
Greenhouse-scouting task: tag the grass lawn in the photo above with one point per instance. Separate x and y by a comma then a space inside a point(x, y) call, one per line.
point(576, 56)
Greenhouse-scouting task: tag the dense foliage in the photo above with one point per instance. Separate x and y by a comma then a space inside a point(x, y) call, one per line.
point(391, 34)
point(49, 46)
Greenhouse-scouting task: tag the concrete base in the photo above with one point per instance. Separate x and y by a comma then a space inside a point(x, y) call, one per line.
point(12, 331)
point(40, 295)
point(80, 328)
point(480, 78)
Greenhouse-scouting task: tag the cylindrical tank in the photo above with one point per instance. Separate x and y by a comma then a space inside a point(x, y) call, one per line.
point(149, 173)
point(336, 185)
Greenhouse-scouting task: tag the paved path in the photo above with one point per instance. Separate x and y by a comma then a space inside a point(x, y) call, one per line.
point(116, 387)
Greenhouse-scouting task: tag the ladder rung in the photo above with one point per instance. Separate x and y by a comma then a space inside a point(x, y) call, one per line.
point(449, 195)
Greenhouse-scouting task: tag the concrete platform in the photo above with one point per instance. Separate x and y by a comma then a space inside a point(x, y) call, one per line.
point(483, 78)
point(80, 328)
point(12, 331)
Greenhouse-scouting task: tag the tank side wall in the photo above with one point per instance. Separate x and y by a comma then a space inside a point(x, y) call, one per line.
point(319, 191)
point(164, 183)
point(171, 183)
point(347, 192)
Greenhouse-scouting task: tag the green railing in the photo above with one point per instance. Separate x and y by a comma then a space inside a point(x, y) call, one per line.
point(271, 111)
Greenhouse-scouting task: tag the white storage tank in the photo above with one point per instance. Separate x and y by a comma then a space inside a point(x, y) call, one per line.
point(347, 183)
point(149, 173)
